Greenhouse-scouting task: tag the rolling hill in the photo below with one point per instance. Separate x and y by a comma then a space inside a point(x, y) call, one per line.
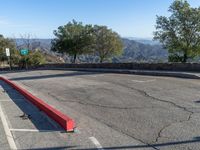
point(134, 51)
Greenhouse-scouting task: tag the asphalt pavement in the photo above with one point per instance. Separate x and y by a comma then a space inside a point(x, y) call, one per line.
point(112, 111)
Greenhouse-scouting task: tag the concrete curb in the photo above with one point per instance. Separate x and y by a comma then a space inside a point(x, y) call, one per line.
point(63, 120)
point(188, 75)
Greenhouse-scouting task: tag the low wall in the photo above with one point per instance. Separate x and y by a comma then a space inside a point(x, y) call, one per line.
point(135, 66)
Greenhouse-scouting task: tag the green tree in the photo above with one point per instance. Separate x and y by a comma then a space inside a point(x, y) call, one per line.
point(74, 39)
point(180, 33)
point(107, 43)
point(16, 57)
point(6, 43)
point(36, 58)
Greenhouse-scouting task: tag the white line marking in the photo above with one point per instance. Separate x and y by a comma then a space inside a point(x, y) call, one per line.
point(96, 143)
point(7, 131)
point(30, 130)
point(7, 100)
point(94, 76)
point(99, 75)
point(143, 81)
point(25, 130)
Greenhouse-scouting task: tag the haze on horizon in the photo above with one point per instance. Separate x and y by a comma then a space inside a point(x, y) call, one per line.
point(130, 18)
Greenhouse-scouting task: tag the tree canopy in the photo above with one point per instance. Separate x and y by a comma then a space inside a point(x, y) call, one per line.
point(180, 33)
point(107, 43)
point(6, 43)
point(75, 39)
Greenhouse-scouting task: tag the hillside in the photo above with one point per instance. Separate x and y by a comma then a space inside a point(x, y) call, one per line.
point(138, 52)
point(143, 40)
point(134, 51)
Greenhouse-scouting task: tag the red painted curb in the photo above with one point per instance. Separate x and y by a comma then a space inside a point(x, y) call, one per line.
point(66, 122)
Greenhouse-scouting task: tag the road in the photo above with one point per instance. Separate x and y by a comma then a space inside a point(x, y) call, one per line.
point(118, 111)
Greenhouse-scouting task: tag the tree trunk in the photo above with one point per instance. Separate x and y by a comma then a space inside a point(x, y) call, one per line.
point(185, 56)
point(74, 60)
point(101, 59)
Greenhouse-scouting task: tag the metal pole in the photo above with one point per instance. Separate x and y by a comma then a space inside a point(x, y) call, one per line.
point(9, 61)
point(8, 54)
point(26, 65)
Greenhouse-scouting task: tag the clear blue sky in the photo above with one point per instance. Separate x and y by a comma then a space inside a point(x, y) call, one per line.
point(130, 18)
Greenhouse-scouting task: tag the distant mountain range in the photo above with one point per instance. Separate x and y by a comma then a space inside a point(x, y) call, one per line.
point(42, 44)
point(149, 41)
point(135, 50)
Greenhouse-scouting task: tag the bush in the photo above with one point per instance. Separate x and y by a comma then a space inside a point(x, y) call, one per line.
point(175, 58)
point(35, 58)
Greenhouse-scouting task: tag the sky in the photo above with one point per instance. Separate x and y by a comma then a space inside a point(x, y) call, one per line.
point(130, 18)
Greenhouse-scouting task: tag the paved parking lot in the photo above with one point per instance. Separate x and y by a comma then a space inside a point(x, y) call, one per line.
point(112, 111)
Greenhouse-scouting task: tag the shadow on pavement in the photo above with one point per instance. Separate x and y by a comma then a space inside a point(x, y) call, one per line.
point(52, 148)
point(198, 101)
point(56, 75)
point(156, 146)
point(17, 71)
point(39, 120)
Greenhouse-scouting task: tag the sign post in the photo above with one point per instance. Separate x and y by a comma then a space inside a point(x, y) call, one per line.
point(8, 55)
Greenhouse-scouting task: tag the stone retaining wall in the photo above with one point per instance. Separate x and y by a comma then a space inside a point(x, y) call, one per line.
point(134, 66)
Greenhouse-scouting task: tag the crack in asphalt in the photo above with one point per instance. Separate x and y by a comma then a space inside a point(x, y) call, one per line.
point(165, 101)
point(160, 131)
point(168, 125)
point(125, 133)
point(99, 105)
point(172, 103)
point(144, 93)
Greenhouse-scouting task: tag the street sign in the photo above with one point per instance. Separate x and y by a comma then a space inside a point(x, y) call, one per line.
point(24, 52)
point(7, 52)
